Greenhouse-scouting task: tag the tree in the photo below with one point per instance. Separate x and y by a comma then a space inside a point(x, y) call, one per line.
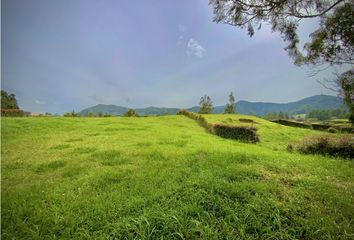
point(230, 108)
point(346, 91)
point(332, 42)
point(8, 101)
point(131, 113)
point(205, 105)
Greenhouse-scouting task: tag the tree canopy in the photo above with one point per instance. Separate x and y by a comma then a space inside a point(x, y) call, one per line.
point(8, 101)
point(206, 105)
point(230, 108)
point(332, 42)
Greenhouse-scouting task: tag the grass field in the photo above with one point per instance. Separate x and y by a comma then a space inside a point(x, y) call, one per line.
point(167, 178)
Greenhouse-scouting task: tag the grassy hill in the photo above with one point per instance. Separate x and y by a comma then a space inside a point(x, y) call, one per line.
point(244, 107)
point(166, 177)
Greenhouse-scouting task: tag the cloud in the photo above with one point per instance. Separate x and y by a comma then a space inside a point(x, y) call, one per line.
point(194, 48)
point(39, 102)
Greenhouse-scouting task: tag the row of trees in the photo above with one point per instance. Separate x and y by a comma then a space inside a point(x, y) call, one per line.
point(277, 115)
point(327, 114)
point(206, 105)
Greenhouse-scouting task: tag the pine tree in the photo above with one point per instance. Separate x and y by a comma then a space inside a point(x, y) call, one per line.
point(206, 105)
point(230, 108)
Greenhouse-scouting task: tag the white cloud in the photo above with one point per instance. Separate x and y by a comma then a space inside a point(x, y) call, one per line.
point(39, 102)
point(194, 48)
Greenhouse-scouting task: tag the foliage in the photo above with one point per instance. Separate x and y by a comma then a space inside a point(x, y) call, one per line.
point(230, 108)
point(327, 114)
point(205, 105)
point(198, 117)
point(12, 113)
point(131, 113)
point(293, 123)
point(346, 83)
point(8, 101)
point(242, 133)
point(275, 116)
point(71, 114)
point(323, 144)
point(332, 42)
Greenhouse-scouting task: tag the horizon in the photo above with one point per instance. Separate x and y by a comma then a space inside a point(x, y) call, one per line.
point(64, 55)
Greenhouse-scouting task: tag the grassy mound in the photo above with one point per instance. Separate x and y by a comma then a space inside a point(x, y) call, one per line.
point(166, 177)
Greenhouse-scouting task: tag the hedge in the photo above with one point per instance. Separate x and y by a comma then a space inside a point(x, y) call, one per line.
point(326, 145)
point(243, 133)
point(12, 113)
point(292, 123)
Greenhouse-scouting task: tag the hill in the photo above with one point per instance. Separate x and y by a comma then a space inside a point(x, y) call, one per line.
point(299, 107)
point(244, 107)
point(167, 178)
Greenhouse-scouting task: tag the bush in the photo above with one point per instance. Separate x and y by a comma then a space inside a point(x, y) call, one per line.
point(326, 145)
point(332, 130)
point(243, 133)
point(12, 113)
point(321, 127)
point(131, 113)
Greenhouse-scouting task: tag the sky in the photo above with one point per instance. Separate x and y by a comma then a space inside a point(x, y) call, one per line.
point(71, 54)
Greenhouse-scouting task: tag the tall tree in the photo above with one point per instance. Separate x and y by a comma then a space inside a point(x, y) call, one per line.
point(8, 101)
point(205, 105)
point(230, 108)
point(346, 86)
point(332, 42)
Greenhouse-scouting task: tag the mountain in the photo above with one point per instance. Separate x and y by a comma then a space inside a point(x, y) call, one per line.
point(253, 108)
point(107, 109)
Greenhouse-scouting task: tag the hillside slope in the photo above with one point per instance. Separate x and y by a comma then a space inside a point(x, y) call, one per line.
point(166, 178)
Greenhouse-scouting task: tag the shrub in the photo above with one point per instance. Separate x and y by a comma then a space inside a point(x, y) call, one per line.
point(12, 113)
point(131, 113)
point(322, 127)
point(243, 133)
point(327, 145)
point(332, 130)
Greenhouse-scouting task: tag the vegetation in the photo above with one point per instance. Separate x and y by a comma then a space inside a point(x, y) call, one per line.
point(8, 101)
point(331, 43)
point(331, 145)
point(131, 113)
point(71, 114)
point(242, 133)
point(205, 105)
point(102, 178)
point(327, 114)
point(275, 116)
point(230, 108)
point(346, 83)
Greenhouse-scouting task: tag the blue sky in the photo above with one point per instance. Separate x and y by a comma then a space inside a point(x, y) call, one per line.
point(71, 54)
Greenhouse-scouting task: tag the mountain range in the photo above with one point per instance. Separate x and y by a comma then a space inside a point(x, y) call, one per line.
point(244, 107)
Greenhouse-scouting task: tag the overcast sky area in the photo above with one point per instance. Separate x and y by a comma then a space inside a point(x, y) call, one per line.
point(71, 54)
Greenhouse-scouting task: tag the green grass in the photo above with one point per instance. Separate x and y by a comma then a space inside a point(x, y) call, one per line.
point(167, 178)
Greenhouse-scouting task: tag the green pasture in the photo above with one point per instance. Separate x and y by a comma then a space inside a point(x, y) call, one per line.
point(167, 178)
